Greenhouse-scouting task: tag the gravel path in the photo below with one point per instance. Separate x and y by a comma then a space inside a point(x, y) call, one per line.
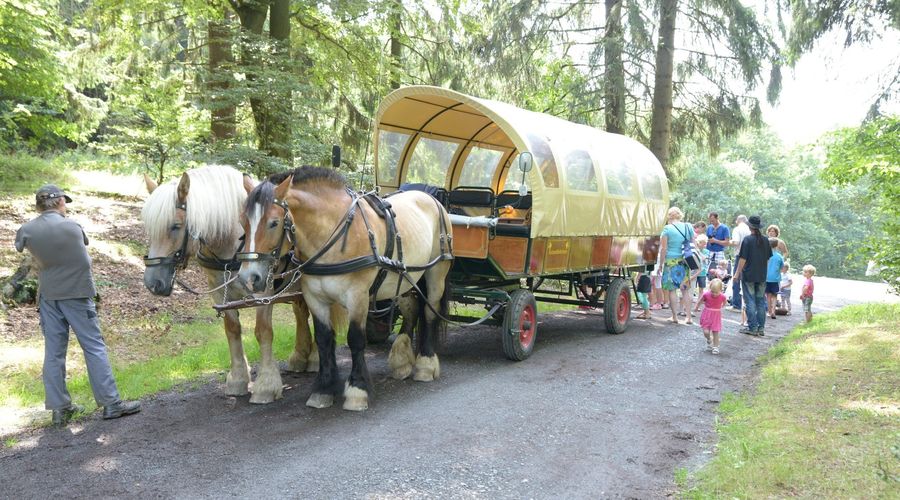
point(589, 415)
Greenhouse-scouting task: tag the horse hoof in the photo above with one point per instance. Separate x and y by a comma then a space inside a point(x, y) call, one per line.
point(296, 364)
point(355, 399)
point(236, 388)
point(312, 364)
point(401, 373)
point(427, 369)
point(262, 399)
point(317, 400)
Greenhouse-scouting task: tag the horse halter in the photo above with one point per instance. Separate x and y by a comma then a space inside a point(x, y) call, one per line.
point(177, 260)
point(287, 231)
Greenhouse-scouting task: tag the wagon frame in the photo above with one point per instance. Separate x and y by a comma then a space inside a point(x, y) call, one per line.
point(533, 198)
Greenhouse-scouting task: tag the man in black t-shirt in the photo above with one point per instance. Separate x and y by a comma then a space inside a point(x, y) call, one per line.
point(751, 270)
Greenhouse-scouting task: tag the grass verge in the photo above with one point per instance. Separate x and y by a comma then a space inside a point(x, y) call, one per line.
point(824, 421)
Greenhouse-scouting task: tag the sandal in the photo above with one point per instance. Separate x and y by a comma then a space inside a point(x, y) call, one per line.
point(670, 320)
point(656, 307)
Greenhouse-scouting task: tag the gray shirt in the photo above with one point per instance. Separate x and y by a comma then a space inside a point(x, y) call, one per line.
point(59, 246)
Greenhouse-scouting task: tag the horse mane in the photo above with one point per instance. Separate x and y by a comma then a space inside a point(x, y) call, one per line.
point(264, 192)
point(213, 205)
point(307, 173)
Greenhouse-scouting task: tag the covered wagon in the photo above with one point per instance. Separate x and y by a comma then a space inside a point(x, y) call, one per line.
point(541, 207)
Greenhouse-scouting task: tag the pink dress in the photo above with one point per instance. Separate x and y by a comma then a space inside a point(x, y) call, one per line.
point(711, 319)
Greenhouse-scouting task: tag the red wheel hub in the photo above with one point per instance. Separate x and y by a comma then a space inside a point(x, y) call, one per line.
point(526, 326)
point(623, 306)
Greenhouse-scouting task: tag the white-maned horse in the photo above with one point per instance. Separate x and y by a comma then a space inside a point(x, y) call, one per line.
point(197, 215)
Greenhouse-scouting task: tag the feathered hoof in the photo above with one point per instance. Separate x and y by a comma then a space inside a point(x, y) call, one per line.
point(267, 387)
point(355, 399)
point(236, 386)
point(427, 368)
point(401, 373)
point(296, 363)
point(312, 364)
point(317, 400)
point(401, 357)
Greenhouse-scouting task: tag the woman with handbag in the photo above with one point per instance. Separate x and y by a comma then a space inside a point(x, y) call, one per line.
point(675, 242)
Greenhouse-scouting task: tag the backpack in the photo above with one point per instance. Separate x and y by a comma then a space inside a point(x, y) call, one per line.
point(693, 259)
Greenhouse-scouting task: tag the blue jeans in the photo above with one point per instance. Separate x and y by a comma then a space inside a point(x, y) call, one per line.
point(755, 297)
point(735, 289)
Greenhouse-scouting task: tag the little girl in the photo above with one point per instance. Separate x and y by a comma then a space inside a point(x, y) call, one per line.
point(711, 319)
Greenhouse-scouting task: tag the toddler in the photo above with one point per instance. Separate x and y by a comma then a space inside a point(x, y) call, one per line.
point(644, 283)
point(711, 318)
point(785, 290)
point(806, 296)
point(773, 276)
point(701, 278)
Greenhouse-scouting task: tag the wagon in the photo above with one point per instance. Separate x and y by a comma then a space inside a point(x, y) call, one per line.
point(543, 209)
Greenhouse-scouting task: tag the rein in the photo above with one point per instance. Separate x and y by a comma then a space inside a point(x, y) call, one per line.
point(341, 231)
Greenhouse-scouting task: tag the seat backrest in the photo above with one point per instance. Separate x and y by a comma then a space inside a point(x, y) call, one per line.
point(512, 198)
point(472, 197)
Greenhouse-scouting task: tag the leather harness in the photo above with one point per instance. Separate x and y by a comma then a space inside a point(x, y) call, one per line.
point(384, 262)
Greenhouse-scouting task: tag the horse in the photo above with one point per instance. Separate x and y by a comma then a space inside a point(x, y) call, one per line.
point(198, 215)
point(353, 253)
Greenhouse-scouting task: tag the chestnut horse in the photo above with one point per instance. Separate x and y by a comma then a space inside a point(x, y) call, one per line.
point(197, 215)
point(350, 251)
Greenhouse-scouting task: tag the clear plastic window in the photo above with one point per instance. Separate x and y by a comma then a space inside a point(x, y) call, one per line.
point(515, 177)
point(480, 167)
point(390, 149)
point(580, 173)
point(430, 161)
point(651, 185)
point(543, 159)
point(618, 180)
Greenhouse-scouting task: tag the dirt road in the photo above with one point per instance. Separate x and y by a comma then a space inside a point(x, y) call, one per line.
point(589, 415)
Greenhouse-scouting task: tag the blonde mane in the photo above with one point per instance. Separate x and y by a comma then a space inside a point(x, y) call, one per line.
point(214, 203)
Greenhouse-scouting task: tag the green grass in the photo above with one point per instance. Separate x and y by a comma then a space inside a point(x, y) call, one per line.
point(158, 374)
point(23, 174)
point(824, 421)
point(10, 442)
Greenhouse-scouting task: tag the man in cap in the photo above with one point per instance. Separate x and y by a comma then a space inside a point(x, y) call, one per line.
point(66, 293)
point(752, 270)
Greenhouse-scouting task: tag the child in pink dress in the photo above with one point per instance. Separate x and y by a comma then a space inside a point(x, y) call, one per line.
point(711, 319)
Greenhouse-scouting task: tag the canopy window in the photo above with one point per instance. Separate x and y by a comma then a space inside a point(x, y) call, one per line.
point(584, 181)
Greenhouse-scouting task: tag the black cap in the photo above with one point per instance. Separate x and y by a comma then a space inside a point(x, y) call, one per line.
point(49, 192)
point(754, 222)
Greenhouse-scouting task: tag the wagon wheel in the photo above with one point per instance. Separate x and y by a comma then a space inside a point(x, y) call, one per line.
point(519, 325)
point(617, 306)
point(377, 328)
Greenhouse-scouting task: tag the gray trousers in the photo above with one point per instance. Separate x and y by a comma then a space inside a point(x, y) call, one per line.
point(81, 315)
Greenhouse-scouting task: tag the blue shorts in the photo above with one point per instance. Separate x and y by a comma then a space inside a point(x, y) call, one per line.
point(773, 287)
point(701, 282)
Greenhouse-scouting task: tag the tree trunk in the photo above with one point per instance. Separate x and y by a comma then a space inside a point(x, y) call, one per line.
point(614, 95)
point(222, 122)
point(661, 121)
point(280, 106)
point(253, 16)
point(395, 27)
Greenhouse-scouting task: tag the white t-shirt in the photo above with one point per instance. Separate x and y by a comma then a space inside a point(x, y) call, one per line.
point(740, 232)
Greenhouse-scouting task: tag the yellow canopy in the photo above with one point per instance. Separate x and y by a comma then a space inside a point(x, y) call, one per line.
point(586, 182)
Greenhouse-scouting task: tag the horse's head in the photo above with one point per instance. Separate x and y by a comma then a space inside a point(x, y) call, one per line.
point(268, 231)
point(165, 220)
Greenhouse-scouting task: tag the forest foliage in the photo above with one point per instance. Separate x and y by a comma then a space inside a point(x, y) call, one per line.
point(270, 84)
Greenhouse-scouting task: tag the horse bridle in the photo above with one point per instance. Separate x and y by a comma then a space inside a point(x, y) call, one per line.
point(287, 231)
point(179, 258)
